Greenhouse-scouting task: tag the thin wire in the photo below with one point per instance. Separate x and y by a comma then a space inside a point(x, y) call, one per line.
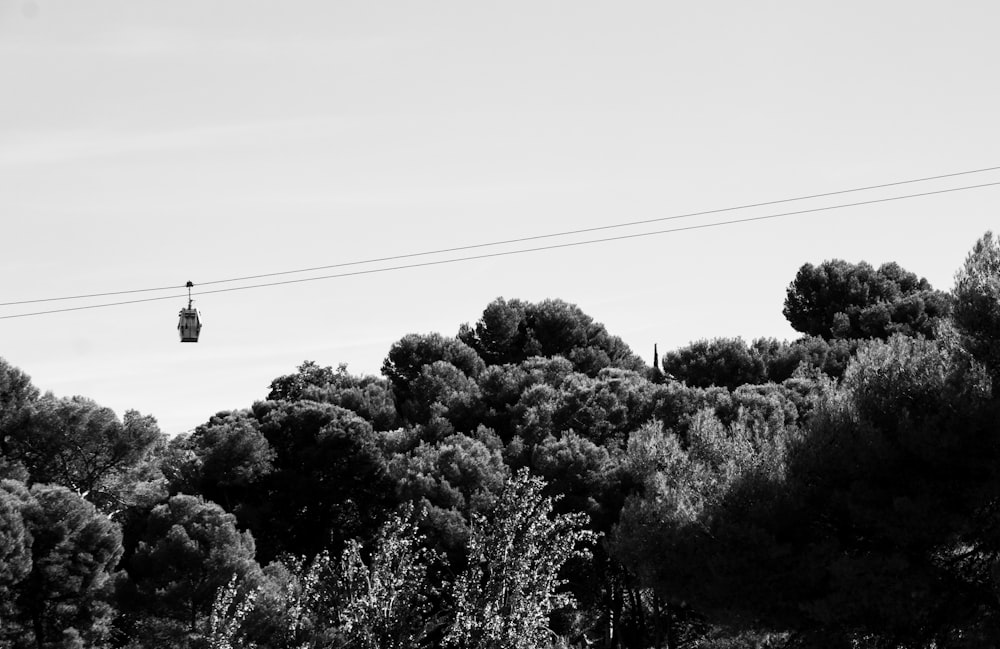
point(505, 253)
point(597, 228)
point(623, 237)
point(92, 306)
point(499, 243)
point(83, 297)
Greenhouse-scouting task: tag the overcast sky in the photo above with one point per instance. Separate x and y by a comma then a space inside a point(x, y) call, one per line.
point(144, 144)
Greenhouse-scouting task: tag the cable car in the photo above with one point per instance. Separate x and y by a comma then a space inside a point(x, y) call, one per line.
point(189, 324)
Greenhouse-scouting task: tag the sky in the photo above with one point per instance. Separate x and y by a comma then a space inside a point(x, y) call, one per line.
point(144, 144)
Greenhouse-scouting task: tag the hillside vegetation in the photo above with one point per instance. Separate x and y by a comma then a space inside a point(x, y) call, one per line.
point(531, 482)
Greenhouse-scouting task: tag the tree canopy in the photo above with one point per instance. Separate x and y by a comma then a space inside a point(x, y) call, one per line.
point(530, 482)
point(838, 299)
point(512, 331)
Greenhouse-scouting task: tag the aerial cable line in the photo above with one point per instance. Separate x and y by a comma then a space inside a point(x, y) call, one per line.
point(597, 228)
point(505, 253)
point(498, 243)
point(83, 297)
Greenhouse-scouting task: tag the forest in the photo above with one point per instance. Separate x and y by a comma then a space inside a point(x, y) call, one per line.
point(531, 482)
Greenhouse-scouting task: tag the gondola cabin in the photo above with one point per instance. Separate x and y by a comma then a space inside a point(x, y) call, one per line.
point(189, 325)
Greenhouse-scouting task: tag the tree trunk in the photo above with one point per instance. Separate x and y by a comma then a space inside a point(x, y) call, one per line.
point(617, 608)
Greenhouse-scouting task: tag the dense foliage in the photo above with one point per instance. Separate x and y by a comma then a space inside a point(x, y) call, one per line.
point(838, 299)
point(530, 482)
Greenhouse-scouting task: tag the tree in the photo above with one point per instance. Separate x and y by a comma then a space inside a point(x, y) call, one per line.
point(81, 445)
point(369, 396)
point(501, 334)
point(231, 456)
point(15, 550)
point(444, 396)
point(458, 472)
point(588, 478)
point(74, 550)
point(579, 471)
point(726, 362)
point(697, 529)
point(329, 481)
point(783, 360)
point(385, 603)
point(778, 406)
point(409, 356)
point(189, 550)
point(838, 299)
point(602, 408)
point(898, 466)
point(377, 597)
point(292, 387)
point(229, 612)
point(450, 480)
point(504, 598)
point(511, 331)
point(293, 605)
point(875, 519)
point(977, 303)
point(17, 394)
point(503, 386)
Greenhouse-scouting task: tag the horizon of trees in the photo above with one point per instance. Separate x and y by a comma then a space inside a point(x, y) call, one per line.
point(531, 482)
